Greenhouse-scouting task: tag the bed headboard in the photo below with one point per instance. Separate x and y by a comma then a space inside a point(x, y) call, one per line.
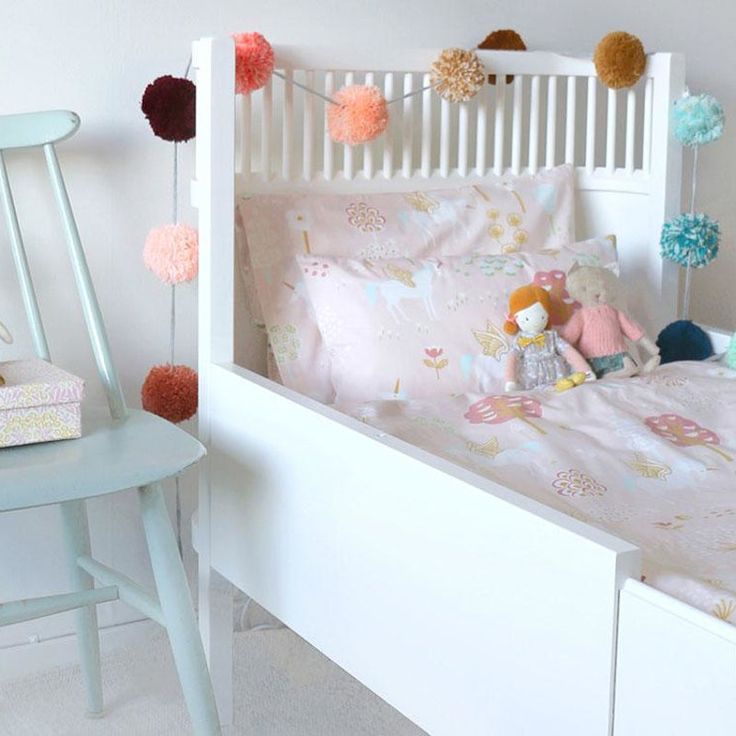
point(554, 111)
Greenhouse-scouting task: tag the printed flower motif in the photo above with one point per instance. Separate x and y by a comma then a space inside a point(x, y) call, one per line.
point(493, 214)
point(685, 433)
point(490, 448)
point(364, 218)
point(677, 523)
point(520, 237)
point(317, 268)
point(434, 360)
point(377, 251)
point(724, 609)
point(574, 483)
point(509, 265)
point(284, 342)
point(422, 202)
point(648, 468)
point(514, 219)
point(496, 231)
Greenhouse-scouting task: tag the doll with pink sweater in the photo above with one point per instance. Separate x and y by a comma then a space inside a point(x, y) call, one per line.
point(599, 330)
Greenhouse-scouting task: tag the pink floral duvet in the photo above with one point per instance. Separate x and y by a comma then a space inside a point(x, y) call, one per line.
point(651, 459)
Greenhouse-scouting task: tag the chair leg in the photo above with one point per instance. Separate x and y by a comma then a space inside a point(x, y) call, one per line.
point(76, 540)
point(178, 611)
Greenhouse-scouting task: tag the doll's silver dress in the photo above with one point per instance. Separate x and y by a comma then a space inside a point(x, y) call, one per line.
point(540, 365)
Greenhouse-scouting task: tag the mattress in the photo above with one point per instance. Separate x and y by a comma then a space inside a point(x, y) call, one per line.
point(651, 459)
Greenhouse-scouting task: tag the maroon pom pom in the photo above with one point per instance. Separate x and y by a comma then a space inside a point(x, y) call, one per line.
point(171, 392)
point(169, 103)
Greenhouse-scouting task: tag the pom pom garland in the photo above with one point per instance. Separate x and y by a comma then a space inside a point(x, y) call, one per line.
point(171, 392)
point(683, 340)
point(619, 60)
point(254, 62)
point(697, 119)
point(172, 252)
point(457, 75)
point(169, 104)
point(731, 353)
point(359, 115)
point(502, 40)
point(690, 240)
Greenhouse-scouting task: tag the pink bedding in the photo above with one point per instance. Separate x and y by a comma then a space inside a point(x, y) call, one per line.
point(650, 459)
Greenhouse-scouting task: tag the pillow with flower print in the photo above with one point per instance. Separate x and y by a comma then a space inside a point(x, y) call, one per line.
point(503, 215)
point(408, 328)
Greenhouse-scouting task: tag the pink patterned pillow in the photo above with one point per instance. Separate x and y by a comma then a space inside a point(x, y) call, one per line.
point(512, 214)
point(407, 328)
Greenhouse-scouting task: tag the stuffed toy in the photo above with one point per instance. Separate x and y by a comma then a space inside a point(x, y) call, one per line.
point(598, 329)
point(539, 356)
point(6, 337)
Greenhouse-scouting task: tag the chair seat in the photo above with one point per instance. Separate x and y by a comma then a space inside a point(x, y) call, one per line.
point(110, 456)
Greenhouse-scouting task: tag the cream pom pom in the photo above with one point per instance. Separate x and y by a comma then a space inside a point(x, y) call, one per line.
point(457, 75)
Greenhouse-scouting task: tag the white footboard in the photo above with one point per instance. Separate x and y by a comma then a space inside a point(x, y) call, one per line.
point(471, 609)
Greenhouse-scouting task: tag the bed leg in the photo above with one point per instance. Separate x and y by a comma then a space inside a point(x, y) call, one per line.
point(216, 627)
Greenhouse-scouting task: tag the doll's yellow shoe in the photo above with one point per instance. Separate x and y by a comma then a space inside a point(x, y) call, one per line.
point(571, 381)
point(578, 378)
point(564, 384)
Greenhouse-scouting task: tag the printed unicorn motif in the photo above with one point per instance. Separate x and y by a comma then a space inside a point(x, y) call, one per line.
point(395, 291)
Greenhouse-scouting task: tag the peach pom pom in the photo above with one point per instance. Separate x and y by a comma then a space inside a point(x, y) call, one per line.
point(254, 61)
point(359, 116)
point(171, 252)
point(171, 392)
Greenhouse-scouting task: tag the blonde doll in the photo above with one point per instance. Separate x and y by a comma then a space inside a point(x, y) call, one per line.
point(539, 356)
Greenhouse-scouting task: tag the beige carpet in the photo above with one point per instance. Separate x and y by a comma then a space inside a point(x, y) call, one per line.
point(284, 688)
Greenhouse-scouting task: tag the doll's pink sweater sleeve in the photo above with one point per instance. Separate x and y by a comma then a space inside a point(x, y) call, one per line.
point(631, 329)
point(573, 328)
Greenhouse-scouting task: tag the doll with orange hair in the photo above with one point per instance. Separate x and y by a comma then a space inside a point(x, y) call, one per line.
point(539, 356)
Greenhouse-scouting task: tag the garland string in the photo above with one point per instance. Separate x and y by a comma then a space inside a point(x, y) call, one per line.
point(689, 268)
point(330, 101)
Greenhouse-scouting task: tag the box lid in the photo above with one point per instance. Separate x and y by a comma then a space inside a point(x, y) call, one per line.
point(35, 382)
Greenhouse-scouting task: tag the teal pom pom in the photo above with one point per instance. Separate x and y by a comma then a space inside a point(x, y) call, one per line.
point(690, 239)
point(697, 119)
point(731, 354)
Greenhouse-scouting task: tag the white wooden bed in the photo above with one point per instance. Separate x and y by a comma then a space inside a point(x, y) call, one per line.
point(467, 606)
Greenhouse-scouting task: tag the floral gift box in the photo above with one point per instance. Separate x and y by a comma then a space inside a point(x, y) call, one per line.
point(38, 403)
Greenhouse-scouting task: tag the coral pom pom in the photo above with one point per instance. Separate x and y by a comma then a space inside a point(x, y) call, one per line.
point(169, 103)
point(359, 116)
point(697, 119)
point(619, 60)
point(171, 392)
point(171, 252)
point(502, 40)
point(690, 240)
point(457, 75)
point(254, 62)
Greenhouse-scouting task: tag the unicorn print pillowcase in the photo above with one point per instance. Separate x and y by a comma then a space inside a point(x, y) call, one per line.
point(505, 215)
point(415, 328)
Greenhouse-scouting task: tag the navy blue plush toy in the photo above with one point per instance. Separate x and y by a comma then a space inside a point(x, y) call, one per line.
point(684, 340)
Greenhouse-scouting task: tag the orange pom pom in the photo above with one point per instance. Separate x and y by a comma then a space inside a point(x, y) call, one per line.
point(359, 116)
point(171, 392)
point(619, 60)
point(502, 40)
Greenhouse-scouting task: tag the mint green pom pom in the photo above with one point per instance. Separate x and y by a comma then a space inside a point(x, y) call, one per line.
point(697, 119)
point(731, 354)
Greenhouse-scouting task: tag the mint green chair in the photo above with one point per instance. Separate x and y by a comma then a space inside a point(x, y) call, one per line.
point(120, 448)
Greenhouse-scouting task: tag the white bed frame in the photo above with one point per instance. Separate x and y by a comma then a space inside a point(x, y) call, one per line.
point(467, 606)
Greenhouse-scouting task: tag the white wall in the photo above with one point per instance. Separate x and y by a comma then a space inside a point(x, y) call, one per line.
point(96, 56)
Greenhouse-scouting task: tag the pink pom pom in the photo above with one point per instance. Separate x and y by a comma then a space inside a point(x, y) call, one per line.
point(360, 115)
point(253, 62)
point(172, 252)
